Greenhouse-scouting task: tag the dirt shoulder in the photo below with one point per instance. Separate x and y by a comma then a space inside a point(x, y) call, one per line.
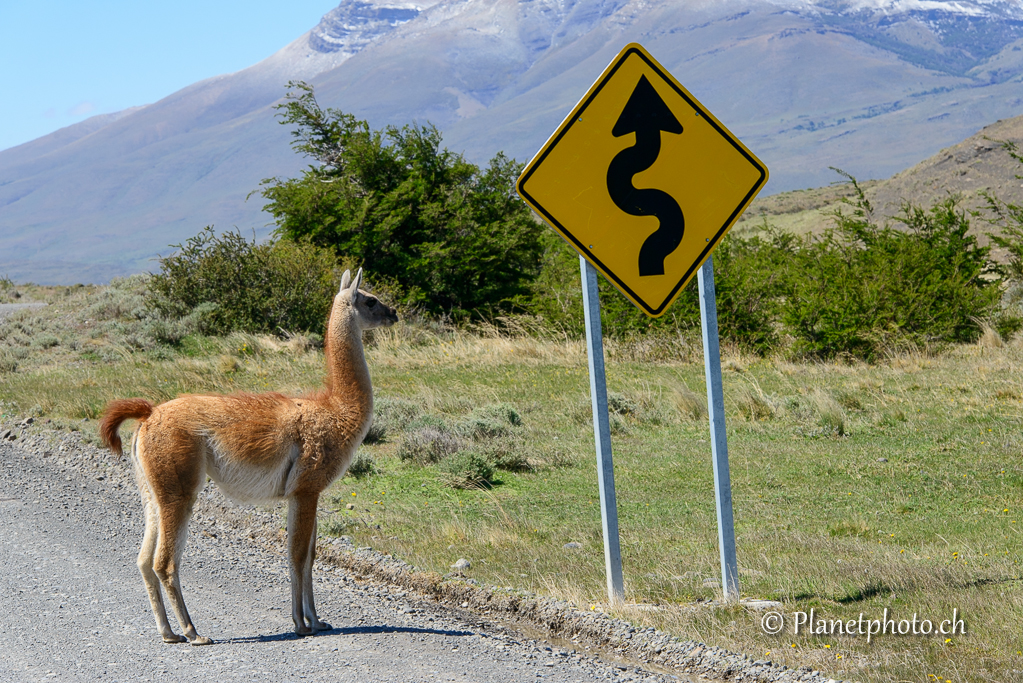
point(77, 611)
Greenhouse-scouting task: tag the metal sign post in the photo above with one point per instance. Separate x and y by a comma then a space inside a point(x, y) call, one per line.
point(639, 145)
point(718, 436)
point(602, 434)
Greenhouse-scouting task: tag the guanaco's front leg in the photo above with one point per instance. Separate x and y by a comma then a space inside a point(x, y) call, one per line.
point(301, 540)
point(307, 588)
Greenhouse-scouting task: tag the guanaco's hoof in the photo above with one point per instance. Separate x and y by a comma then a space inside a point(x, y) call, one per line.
point(175, 638)
point(303, 630)
point(321, 626)
point(201, 640)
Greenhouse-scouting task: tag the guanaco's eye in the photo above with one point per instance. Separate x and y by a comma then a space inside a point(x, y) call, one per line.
point(371, 303)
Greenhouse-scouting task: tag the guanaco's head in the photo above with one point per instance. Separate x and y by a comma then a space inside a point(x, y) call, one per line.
point(364, 309)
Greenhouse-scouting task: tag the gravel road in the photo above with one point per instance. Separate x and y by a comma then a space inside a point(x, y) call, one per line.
point(7, 309)
point(73, 607)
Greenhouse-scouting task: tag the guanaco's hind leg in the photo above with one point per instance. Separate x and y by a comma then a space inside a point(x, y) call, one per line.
point(170, 484)
point(169, 547)
point(145, 564)
point(301, 547)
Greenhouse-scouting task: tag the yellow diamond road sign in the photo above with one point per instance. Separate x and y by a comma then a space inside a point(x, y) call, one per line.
point(642, 180)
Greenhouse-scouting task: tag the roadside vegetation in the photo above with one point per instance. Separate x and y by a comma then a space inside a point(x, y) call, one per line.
point(857, 486)
point(874, 398)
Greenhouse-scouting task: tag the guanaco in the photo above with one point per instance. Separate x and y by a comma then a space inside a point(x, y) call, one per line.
point(257, 448)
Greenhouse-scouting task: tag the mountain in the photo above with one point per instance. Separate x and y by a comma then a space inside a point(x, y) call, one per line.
point(871, 86)
point(970, 169)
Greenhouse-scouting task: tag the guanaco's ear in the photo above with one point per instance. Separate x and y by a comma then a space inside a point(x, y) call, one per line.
point(355, 285)
point(346, 280)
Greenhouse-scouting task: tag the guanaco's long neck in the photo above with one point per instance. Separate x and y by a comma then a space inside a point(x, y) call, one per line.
point(347, 369)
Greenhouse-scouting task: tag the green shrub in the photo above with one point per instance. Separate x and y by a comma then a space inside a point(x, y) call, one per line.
point(556, 300)
point(467, 469)
point(45, 341)
point(362, 465)
point(749, 277)
point(621, 404)
point(453, 237)
point(617, 424)
point(335, 526)
point(8, 291)
point(390, 415)
point(427, 445)
point(489, 421)
point(227, 283)
point(506, 456)
point(377, 432)
point(863, 289)
point(1007, 218)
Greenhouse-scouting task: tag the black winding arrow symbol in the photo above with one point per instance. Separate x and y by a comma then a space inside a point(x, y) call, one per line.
point(646, 115)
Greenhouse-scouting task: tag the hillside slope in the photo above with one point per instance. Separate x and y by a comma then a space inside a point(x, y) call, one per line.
point(868, 87)
point(977, 165)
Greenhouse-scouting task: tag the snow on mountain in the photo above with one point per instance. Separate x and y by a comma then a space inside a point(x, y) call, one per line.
point(970, 8)
point(349, 27)
point(871, 86)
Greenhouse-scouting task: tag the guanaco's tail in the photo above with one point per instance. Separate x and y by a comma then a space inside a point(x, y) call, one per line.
point(116, 413)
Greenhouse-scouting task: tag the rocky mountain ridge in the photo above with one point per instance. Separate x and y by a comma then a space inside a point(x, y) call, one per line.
point(871, 87)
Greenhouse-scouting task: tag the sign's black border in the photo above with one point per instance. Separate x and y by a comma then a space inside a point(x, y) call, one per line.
point(576, 114)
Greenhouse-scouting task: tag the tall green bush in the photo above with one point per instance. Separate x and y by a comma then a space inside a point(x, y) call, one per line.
point(1007, 219)
point(453, 237)
point(864, 288)
point(240, 285)
point(749, 277)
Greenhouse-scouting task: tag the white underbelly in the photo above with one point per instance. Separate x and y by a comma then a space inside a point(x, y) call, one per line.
point(248, 483)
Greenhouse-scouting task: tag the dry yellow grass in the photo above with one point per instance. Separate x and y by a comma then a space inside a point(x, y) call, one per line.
point(862, 487)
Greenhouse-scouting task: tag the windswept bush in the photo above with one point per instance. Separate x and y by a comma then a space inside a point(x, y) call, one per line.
point(864, 288)
point(452, 237)
point(8, 292)
point(240, 285)
point(362, 465)
point(749, 277)
point(390, 415)
point(427, 441)
point(467, 469)
point(490, 421)
point(1007, 218)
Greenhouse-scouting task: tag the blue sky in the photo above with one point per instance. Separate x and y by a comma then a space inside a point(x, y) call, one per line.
point(62, 61)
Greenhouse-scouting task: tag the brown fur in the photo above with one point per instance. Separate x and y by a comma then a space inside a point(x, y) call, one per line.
point(256, 447)
point(116, 413)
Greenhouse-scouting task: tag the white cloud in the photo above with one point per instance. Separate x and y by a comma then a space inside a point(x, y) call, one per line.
point(81, 109)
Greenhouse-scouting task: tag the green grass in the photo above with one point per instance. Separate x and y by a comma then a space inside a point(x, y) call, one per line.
point(856, 487)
